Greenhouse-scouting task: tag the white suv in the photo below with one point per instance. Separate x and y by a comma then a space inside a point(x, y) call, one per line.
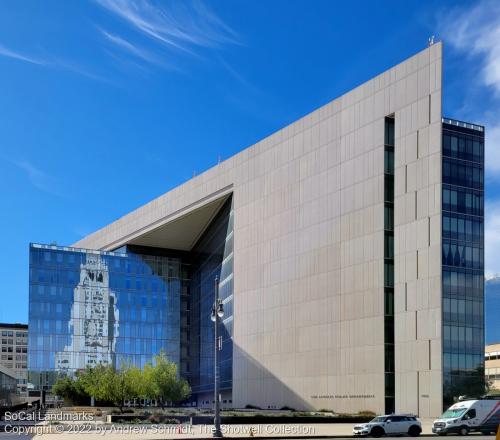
point(393, 424)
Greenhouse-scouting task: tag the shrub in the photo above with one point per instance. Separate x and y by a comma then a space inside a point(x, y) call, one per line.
point(366, 413)
point(249, 406)
point(125, 411)
point(287, 408)
point(159, 418)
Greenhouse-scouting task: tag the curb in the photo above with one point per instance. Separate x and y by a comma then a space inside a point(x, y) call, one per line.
point(288, 437)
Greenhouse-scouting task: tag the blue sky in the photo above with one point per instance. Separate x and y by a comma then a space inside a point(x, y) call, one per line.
point(106, 104)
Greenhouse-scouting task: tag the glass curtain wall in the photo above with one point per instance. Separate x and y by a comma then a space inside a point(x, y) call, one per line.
point(463, 260)
point(212, 257)
point(8, 385)
point(91, 307)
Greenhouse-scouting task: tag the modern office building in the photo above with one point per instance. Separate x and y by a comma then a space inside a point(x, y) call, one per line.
point(349, 252)
point(492, 366)
point(14, 356)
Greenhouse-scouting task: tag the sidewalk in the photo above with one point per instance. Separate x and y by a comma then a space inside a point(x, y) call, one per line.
point(163, 432)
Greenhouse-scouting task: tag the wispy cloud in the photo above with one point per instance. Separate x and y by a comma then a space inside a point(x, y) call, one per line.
point(38, 178)
point(50, 62)
point(182, 26)
point(134, 49)
point(9, 53)
point(474, 32)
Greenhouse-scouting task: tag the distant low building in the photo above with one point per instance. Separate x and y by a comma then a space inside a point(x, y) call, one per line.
point(8, 384)
point(14, 353)
point(492, 365)
point(492, 310)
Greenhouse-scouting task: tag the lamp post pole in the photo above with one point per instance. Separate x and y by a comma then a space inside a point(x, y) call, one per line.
point(217, 312)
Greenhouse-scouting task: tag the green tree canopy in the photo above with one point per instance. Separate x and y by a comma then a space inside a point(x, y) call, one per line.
point(163, 383)
point(158, 380)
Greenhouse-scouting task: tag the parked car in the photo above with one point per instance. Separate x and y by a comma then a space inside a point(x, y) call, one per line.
point(481, 415)
point(392, 424)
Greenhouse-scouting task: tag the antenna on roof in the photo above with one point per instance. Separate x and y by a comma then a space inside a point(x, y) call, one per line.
point(218, 159)
point(431, 40)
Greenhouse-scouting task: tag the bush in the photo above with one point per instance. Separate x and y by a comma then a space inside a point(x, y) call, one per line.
point(160, 418)
point(249, 406)
point(125, 411)
point(366, 413)
point(287, 408)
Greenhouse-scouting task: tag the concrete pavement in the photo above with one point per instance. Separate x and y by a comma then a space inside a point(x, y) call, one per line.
point(89, 431)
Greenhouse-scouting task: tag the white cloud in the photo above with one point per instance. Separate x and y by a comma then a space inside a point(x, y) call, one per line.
point(135, 49)
point(53, 62)
point(9, 53)
point(475, 33)
point(38, 178)
point(182, 26)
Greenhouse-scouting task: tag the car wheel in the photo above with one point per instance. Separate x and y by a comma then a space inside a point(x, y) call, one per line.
point(463, 430)
point(414, 431)
point(377, 432)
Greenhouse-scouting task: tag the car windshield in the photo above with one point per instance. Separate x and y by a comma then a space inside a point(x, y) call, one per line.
point(378, 420)
point(453, 413)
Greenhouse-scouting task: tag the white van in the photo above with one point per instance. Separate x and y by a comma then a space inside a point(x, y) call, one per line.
point(470, 415)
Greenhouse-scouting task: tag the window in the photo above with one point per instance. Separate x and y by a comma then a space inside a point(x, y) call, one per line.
point(471, 414)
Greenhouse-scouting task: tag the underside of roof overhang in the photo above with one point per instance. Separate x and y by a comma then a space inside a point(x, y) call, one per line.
point(183, 230)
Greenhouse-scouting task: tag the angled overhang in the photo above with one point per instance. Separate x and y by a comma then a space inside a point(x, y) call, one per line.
point(177, 230)
point(182, 232)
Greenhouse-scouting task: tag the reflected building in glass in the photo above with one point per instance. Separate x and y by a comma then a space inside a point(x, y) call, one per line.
point(349, 252)
point(92, 307)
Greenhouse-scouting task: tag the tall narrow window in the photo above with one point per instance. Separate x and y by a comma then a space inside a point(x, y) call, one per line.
point(389, 265)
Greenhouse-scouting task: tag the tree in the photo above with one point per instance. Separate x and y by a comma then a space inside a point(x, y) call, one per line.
point(125, 383)
point(163, 383)
point(106, 383)
point(158, 381)
point(180, 390)
point(93, 381)
point(70, 389)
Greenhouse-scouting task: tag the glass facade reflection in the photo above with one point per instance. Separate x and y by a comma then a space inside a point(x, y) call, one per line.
point(90, 307)
point(463, 260)
point(8, 386)
point(212, 257)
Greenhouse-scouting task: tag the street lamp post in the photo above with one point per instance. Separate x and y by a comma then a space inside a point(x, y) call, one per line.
point(217, 313)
